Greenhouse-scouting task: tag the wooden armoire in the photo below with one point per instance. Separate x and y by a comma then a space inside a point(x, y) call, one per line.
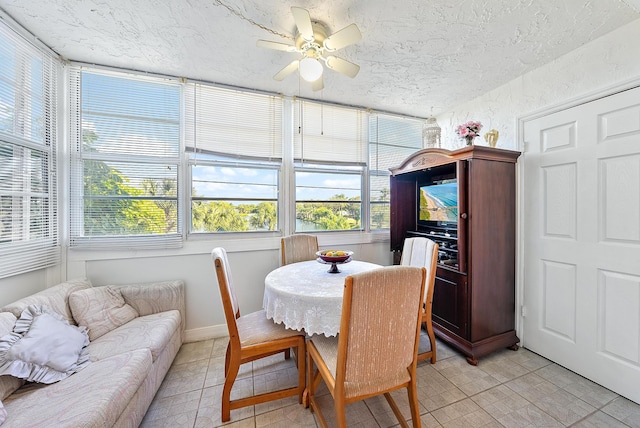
point(474, 296)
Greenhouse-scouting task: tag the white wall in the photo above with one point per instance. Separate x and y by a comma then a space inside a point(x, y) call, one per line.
point(18, 286)
point(605, 62)
point(595, 69)
point(250, 259)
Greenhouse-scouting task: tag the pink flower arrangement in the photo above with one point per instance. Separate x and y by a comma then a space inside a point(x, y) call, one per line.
point(469, 130)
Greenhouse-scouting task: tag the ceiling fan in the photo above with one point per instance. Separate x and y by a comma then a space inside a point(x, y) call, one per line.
point(313, 44)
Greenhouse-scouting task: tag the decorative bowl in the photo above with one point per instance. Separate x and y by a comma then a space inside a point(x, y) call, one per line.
point(330, 256)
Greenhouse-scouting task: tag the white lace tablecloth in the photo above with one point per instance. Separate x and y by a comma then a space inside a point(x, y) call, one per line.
point(305, 296)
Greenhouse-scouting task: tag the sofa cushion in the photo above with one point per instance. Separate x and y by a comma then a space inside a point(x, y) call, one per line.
point(3, 413)
point(93, 397)
point(43, 347)
point(8, 383)
point(154, 297)
point(100, 309)
point(55, 297)
point(149, 331)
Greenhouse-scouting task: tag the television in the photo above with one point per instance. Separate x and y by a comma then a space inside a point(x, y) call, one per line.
point(438, 202)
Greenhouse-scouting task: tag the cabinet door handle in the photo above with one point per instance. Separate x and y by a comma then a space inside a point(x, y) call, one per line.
point(463, 216)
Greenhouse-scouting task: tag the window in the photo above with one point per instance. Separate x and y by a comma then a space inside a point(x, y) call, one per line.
point(125, 156)
point(28, 203)
point(231, 198)
point(330, 161)
point(234, 140)
point(392, 139)
point(131, 136)
point(328, 200)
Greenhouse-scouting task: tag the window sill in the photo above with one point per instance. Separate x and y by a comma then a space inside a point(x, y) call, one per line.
point(232, 242)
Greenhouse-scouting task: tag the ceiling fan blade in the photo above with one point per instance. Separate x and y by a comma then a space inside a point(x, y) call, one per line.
point(275, 45)
point(303, 22)
point(293, 66)
point(317, 85)
point(342, 66)
point(345, 37)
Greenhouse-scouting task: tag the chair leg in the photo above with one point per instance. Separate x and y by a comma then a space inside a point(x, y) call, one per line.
point(287, 353)
point(302, 372)
point(310, 383)
point(341, 417)
point(396, 410)
point(412, 391)
point(227, 359)
point(230, 378)
point(432, 340)
point(311, 387)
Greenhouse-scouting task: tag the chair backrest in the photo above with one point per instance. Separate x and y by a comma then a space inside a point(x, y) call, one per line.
point(379, 329)
point(422, 252)
point(227, 293)
point(298, 248)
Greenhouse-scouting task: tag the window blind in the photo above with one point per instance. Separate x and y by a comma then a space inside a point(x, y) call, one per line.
point(391, 140)
point(329, 134)
point(125, 156)
point(28, 131)
point(233, 123)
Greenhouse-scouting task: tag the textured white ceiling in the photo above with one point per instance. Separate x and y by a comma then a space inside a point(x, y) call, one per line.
point(415, 55)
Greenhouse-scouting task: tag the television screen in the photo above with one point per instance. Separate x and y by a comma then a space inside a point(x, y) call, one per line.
point(439, 202)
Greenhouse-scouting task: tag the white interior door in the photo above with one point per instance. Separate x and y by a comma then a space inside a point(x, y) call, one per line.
point(582, 240)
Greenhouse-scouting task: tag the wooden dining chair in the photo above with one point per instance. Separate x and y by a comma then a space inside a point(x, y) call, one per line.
point(298, 248)
point(376, 350)
point(423, 252)
point(252, 337)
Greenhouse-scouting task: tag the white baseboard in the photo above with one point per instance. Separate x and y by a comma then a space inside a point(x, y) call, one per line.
point(206, 333)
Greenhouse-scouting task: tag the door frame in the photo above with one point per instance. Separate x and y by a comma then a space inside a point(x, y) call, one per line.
point(521, 185)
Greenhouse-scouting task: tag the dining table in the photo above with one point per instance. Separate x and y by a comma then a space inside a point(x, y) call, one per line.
point(306, 296)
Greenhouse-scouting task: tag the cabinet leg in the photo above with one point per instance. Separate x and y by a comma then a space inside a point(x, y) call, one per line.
point(472, 361)
point(514, 347)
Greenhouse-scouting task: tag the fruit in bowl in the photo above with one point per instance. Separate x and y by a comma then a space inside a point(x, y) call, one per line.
point(334, 255)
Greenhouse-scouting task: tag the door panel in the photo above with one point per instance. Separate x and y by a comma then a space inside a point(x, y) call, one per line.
point(450, 301)
point(582, 240)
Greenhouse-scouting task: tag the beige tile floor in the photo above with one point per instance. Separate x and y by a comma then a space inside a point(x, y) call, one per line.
point(507, 388)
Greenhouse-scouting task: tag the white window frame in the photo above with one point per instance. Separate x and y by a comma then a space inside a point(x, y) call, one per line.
point(22, 252)
point(241, 132)
point(199, 161)
point(190, 154)
point(355, 170)
point(77, 239)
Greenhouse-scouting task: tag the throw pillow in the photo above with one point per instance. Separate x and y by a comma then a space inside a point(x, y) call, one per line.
point(100, 309)
point(43, 347)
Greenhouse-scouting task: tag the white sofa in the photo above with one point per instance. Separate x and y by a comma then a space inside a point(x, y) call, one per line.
point(127, 364)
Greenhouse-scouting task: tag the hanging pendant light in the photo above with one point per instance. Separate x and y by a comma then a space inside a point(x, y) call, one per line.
point(431, 134)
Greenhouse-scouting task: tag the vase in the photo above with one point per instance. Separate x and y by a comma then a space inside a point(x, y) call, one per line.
point(491, 137)
point(469, 141)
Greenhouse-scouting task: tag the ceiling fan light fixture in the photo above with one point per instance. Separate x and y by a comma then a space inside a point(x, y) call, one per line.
point(310, 69)
point(312, 43)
